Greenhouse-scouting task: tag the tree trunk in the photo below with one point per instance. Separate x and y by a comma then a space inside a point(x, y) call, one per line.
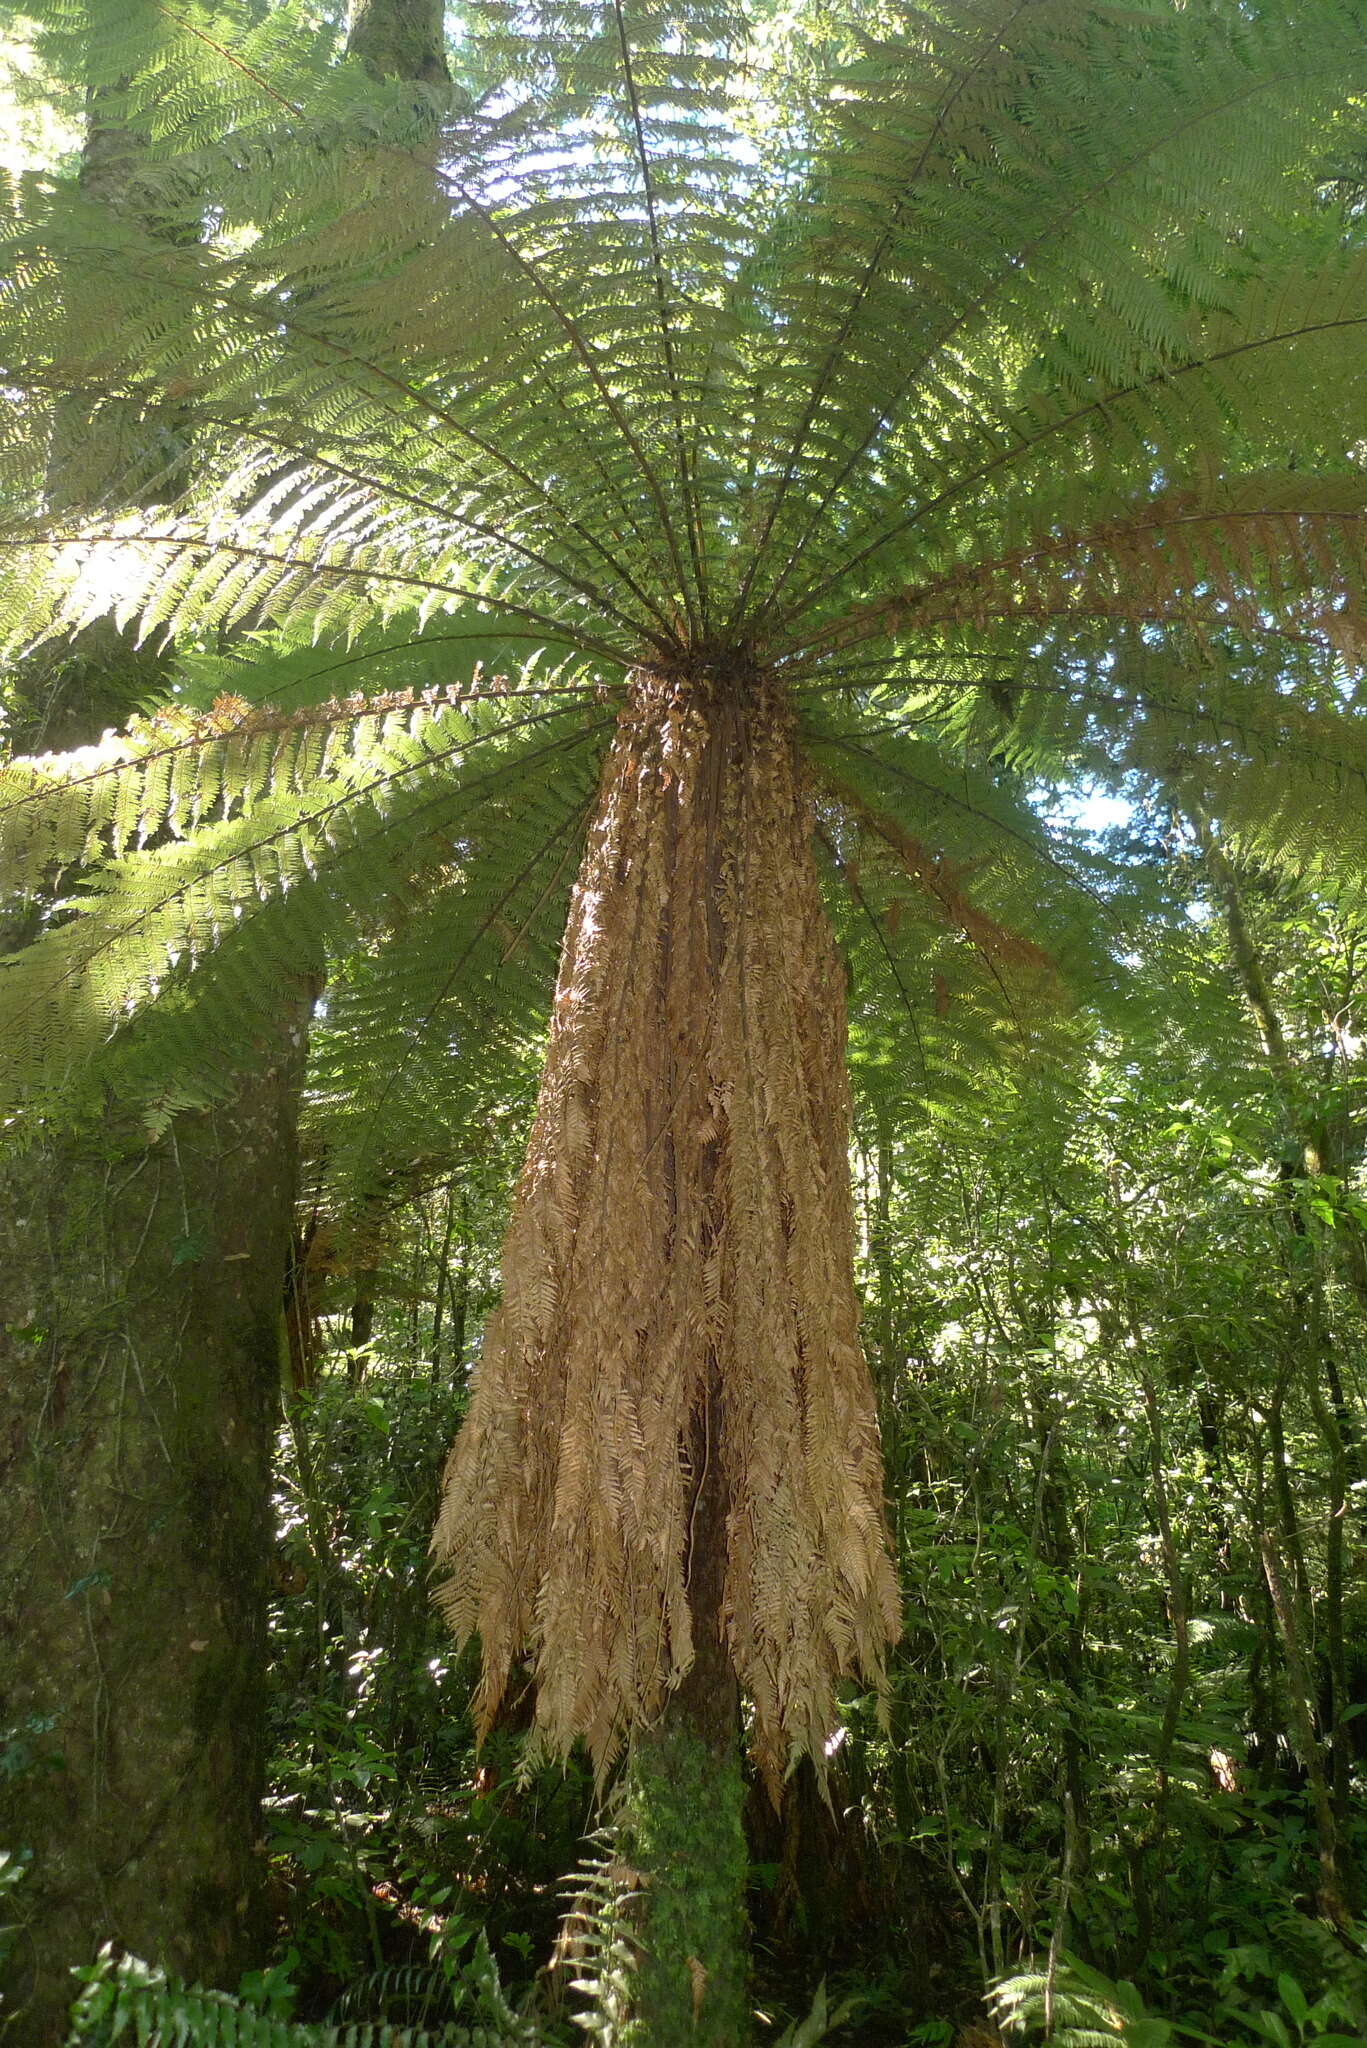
point(683, 1830)
point(669, 1480)
point(1331, 1894)
point(140, 1315)
point(400, 39)
point(1316, 1151)
point(139, 1373)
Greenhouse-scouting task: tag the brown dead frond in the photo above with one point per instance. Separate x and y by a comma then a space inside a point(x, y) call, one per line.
point(683, 1216)
point(942, 883)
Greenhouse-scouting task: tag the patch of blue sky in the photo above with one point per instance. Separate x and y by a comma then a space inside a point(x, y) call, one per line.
point(1088, 806)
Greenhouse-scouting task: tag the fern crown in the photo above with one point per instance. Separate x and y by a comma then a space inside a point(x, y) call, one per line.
point(954, 364)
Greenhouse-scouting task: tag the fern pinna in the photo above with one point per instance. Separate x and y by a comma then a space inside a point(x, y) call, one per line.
point(818, 424)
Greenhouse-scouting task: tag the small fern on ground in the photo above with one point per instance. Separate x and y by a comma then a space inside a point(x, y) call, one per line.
point(123, 1993)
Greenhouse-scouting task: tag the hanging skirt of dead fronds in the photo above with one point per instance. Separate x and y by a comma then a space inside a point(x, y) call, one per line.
point(683, 1221)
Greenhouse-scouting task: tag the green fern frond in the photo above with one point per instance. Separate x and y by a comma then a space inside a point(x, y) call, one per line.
point(181, 575)
point(973, 347)
point(449, 1013)
point(1269, 737)
point(597, 1951)
point(320, 843)
point(1217, 556)
point(748, 395)
point(970, 935)
point(122, 1992)
point(1075, 2006)
point(171, 772)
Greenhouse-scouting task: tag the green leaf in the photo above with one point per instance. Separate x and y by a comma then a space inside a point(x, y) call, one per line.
point(1292, 1997)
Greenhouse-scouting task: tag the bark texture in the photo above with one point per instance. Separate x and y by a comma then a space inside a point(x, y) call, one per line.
point(139, 1373)
point(400, 39)
point(679, 1312)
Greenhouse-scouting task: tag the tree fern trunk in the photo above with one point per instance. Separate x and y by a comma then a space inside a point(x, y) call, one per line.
point(683, 1830)
point(669, 1483)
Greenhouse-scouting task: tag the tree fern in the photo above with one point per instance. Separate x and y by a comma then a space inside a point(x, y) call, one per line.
point(1076, 2006)
point(877, 413)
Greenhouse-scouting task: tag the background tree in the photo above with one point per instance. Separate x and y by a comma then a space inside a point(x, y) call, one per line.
point(139, 1353)
point(138, 1361)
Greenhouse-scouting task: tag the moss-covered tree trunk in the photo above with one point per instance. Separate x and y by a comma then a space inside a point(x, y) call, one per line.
point(139, 1373)
point(140, 1297)
point(400, 38)
point(683, 1831)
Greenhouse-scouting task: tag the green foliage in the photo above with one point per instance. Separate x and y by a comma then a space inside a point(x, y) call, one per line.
point(598, 1939)
point(991, 374)
point(122, 1992)
point(325, 823)
point(1077, 2007)
point(1100, 1284)
point(823, 2019)
point(900, 362)
point(390, 1843)
point(11, 1875)
point(691, 1856)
